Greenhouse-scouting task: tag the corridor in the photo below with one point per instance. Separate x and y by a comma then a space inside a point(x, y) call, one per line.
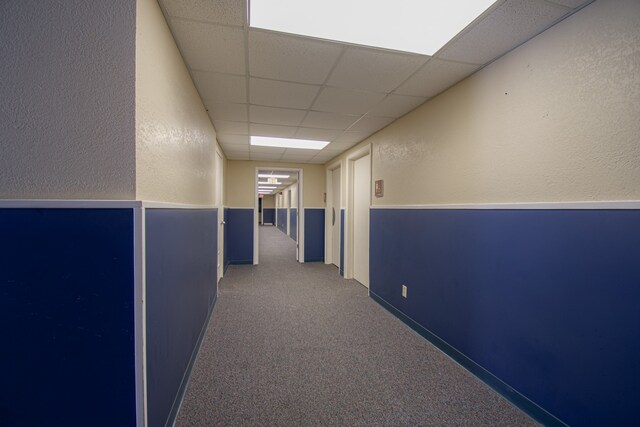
point(295, 344)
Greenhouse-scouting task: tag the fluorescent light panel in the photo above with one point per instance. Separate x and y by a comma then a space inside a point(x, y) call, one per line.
point(266, 175)
point(418, 26)
point(306, 144)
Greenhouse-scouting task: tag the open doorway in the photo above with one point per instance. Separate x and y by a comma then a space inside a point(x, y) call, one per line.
point(278, 204)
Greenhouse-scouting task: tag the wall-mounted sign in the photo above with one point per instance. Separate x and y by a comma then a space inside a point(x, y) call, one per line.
point(379, 188)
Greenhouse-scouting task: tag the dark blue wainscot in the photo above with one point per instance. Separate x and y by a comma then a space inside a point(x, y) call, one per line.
point(67, 315)
point(293, 223)
point(282, 220)
point(314, 234)
point(268, 215)
point(181, 287)
point(239, 235)
point(541, 304)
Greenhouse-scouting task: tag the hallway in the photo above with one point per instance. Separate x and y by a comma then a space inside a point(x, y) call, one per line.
point(295, 344)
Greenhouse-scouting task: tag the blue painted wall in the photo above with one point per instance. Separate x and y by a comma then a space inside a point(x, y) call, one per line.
point(293, 221)
point(181, 283)
point(239, 236)
point(313, 234)
point(342, 242)
point(67, 316)
point(268, 215)
point(282, 219)
point(545, 300)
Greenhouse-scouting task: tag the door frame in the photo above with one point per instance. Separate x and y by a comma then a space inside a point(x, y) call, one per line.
point(256, 237)
point(328, 235)
point(348, 223)
point(219, 162)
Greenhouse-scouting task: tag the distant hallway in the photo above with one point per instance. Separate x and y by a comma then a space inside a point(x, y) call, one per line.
point(295, 344)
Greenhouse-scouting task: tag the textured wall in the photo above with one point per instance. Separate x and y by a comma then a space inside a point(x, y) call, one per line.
point(176, 141)
point(555, 119)
point(240, 176)
point(67, 90)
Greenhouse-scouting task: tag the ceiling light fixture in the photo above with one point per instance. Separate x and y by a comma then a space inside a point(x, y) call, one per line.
point(418, 26)
point(264, 187)
point(267, 175)
point(305, 144)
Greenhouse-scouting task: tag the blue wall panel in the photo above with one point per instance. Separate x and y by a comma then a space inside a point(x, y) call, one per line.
point(226, 240)
point(282, 220)
point(67, 316)
point(342, 242)
point(268, 215)
point(313, 235)
point(181, 290)
point(239, 231)
point(293, 221)
point(545, 300)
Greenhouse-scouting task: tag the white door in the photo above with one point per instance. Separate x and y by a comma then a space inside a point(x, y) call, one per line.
point(219, 204)
point(288, 204)
point(335, 217)
point(361, 202)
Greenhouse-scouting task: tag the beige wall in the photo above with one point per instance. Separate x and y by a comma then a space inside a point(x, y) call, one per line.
point(269, 201)
point(554, 120)
point(240, 180)
point(67, 125)
point(176, 141)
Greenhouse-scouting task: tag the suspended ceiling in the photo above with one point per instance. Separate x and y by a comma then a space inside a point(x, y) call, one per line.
point(260, 82)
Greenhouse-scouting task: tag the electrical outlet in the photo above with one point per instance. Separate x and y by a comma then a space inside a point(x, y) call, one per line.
point(404, 291)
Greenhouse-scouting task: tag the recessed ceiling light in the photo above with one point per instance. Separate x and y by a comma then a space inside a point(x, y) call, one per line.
point(266, 175)
point(418, 26)
point(275, 182)
point(306, 144)
point(263, 187)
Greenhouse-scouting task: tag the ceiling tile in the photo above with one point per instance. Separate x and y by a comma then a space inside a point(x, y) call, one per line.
point(276, 116)
point(227, 111)
point(436, 76)
point(238, 156)
point(318, 119)
point(510, 25)
point(351, 137)
point(289, 57)
point(265, 156)
point(572, 3)
point(269, 150)
point(272, 130)
point(301, 152)
point(208, 47)
point(340, 146)
point(371, 124)
point(397, 105)
point(221, 87)
point(230, 12)
point(282, 94)
point(237, 128)
point(345, 101)
point(317, 134)
point(373, 69)
point(226, 139)
point(235, 149)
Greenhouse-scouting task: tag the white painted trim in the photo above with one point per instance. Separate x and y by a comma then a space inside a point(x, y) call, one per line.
point(347, 268)
point(605, 204)
point(140, 334)
point(170, 205)
point(328, 236)
point(238, 207)
point(314, 207)
point(94, 204)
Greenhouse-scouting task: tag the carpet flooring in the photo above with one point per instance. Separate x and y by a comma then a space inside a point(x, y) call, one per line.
point(294, 344)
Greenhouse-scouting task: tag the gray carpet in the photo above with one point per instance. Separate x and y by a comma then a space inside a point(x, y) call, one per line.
point(294, 344)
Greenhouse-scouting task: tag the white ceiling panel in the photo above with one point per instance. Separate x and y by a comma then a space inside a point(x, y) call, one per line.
point(208, 47)
point(351, 137)
point(221, 87)
point(281, 94)
point(265, 156)
point(339, 146)
point(292, 58)
point(276, 116)
point(396, 105)
point(572, 3)
point(235, 149)
point(269, 150)
point(374, 70)
point(346, 101)
point(296, 158)
point(237, 128)
point(230, 12)
point(371, 124)
point(436, 76)
point(510, 25)
point(272, 130)
point(318, 119)
point(226, 139)
point(226, 111)
point(317, 134)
